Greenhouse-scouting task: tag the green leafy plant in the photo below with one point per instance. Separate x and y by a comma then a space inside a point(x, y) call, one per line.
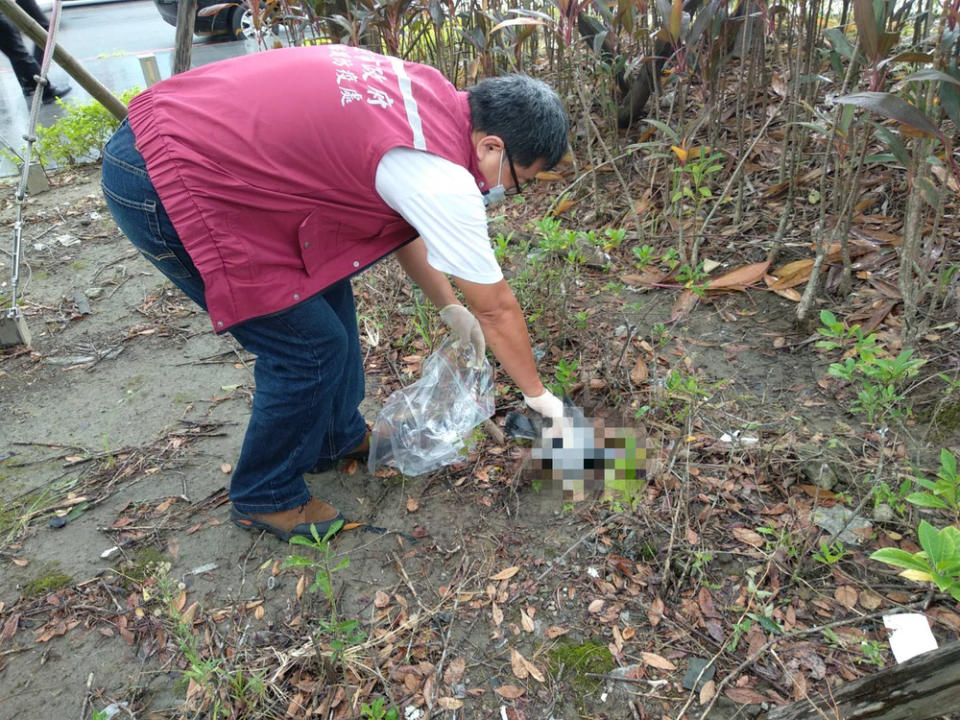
point(339, 634)
point(501, 246)
point(938, 562)
point(78, 136)
point(644, 255)
point(878, 379)
point(895, 498)
point(739, 630)
point(377, 711)
point(565, 376)
point(830, 553)
point(614, 238)
point(872, 652)
point(691, 178)
point(838, 335)
point(942, 493)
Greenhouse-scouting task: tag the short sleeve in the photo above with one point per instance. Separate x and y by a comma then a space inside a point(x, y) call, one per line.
point(441, 200)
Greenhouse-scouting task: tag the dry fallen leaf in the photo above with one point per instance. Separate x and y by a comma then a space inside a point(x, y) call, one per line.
point(549, 175)
point(190, 614)
point(563, 206)
point(555, 631)
point(518, 666)
point(655, 614)
point(381, 599)
point(739, 278)
point(750, 537)
point(510, 692)
point(639, 373)
point(526, 622)
point(534, 671)
point(595, 607)
point(869, 600)
point(20, 562)
point(682, 306)
point(497, 615)
point(454, 672)
point(846, 595)
point(412, 504)
point(789, 275)
point(707, 692)
point(744, 696)
point(301, 586)
point(657, 661)
point(449, 703)
point(506, 573)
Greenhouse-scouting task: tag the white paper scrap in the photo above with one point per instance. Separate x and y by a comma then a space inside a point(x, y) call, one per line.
point(909, 635)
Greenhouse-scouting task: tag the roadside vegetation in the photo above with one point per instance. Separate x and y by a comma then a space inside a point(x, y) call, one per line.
point(752, 255)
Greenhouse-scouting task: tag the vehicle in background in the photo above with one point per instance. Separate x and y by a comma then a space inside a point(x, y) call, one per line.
point(214, 17)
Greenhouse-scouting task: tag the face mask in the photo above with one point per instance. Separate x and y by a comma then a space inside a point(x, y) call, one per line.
point(497, 193)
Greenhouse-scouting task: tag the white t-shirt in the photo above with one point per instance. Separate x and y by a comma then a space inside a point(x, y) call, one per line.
point(441, 200)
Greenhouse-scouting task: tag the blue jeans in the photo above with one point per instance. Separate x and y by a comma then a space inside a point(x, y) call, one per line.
point(309, 368)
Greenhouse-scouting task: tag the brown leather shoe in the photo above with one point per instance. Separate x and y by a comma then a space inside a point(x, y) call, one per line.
point(296, 521)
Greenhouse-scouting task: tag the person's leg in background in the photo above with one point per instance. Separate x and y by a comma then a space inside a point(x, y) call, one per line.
point(31, 8)
point(25, 67)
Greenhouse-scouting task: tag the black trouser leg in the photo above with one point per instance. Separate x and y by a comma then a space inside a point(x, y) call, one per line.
point(31, 8)
point(25, 67)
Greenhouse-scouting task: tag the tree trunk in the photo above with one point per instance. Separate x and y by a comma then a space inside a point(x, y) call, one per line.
point(927, 686)
point(186, 17)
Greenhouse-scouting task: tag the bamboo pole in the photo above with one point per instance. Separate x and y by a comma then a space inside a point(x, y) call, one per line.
point(88, 82)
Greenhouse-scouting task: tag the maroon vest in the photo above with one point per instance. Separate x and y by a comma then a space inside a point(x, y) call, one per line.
point(266, 165)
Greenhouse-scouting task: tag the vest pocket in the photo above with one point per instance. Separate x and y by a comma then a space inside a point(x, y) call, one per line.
point(320, 240)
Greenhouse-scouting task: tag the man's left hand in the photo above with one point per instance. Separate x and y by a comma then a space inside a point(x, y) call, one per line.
point(467, 328)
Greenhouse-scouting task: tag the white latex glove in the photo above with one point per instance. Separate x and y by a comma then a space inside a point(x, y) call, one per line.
point(467, 328)
point(547, 404)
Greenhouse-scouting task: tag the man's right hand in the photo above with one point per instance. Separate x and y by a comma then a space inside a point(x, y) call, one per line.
point(547, 404)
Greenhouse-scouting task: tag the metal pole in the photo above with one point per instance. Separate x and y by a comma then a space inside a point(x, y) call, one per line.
point(88, 82)
point(14, 330)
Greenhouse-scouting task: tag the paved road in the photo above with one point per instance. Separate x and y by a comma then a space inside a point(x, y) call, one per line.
point(108, 39)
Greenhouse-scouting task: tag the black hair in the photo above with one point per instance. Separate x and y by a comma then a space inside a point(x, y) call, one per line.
point(525, 113)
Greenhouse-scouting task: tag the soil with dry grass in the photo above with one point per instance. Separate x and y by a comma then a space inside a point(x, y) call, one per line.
point(124, 585)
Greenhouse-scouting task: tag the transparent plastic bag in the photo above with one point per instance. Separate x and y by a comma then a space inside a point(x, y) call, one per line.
point(423, 426)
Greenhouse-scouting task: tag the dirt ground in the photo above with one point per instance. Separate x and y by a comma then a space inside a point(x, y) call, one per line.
point(484, 598)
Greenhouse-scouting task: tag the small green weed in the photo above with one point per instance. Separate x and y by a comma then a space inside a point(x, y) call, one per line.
point(872, 653)
point(830, 553)
point(376, 711)
point(895, 498)
point(337, 633)
point(877, 379)
point(644, 255)
point(565, 376)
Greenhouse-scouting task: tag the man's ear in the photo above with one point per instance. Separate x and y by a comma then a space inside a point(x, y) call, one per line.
point(489, 144)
